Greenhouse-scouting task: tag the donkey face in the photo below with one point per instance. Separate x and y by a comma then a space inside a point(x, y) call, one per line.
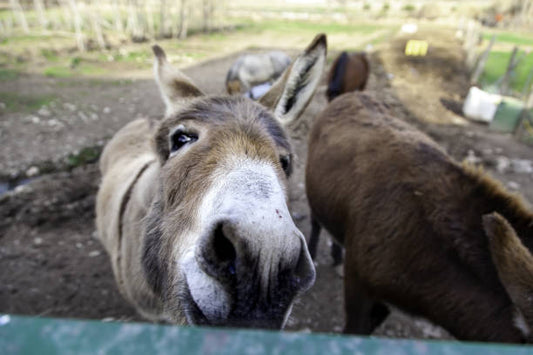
point(221, 247)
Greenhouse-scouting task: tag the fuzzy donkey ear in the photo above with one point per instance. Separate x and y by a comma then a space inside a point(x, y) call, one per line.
point(514, 264)
point(291, 93)
point(175, 87)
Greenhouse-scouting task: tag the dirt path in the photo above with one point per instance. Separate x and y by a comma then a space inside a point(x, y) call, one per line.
point(50, 263)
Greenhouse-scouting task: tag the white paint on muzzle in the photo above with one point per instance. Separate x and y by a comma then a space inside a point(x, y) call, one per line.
point(247, 193)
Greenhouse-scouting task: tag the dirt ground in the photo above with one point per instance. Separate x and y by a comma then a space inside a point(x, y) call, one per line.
point(50, 262)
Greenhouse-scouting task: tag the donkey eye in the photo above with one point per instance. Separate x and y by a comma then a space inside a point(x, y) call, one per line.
point(180, 138)
point(285, 161)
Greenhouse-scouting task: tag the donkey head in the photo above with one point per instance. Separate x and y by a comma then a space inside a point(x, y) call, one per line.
point(220, 245)
point(514, 264)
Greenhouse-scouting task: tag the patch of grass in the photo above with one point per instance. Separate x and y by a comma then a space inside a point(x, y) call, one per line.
point(21, 103)
point(497, 65)
point(386, 35)
point(135, 56)
point(58, 71)
point(85, 156)
point(50, 55)
point(75, 62)
point(409, 8)
point(76, 67)
point(510, 37)
point(8, 74)
point(296, 26)
point(263, 8)
point(25, 38)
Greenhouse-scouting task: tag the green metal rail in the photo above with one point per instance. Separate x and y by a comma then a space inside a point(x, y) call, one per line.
point(27, 335)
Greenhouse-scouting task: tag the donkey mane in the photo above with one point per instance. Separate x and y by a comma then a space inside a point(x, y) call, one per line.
point(494, 188)
point(511, 205)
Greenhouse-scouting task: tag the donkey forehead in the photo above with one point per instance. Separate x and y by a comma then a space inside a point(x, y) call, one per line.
point(237, 112)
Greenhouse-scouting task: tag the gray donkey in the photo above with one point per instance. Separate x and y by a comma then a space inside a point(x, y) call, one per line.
point(193, 209)
point(253, 69)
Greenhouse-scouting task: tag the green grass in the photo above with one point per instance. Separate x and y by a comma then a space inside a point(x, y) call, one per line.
point(140, 56)
point(21, 103)
point(299, 26)
point(512, 38)
point(497, 65)
point(40, 53)
point(77, 66)
point(385, 36)
point(83, 157)
point(8, 74)
point(58, 71)
point(50, 55)
point(24, 39)
point(297, 9)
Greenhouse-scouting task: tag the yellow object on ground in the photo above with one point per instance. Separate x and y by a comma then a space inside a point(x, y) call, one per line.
point(416, 48)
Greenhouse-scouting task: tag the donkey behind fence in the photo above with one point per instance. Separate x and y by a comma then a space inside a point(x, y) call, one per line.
point(193, 209)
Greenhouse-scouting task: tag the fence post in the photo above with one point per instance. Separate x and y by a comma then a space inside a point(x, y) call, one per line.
point(504, 86)
point(19, 13)
point(472, 32)
point(527, 97)
point(482, 61)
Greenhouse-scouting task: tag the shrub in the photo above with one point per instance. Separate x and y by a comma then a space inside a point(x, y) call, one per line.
point(409, 7)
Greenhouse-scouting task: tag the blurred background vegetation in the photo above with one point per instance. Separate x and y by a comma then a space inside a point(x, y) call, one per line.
point(107, 38)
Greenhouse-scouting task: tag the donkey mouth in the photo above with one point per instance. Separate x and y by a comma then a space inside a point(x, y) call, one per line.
point(192, 311)
point(195, 315)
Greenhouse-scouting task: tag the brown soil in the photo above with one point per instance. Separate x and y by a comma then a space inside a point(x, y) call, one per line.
point(50, 263)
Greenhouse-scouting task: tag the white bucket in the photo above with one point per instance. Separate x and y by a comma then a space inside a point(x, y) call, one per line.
point(480, 105)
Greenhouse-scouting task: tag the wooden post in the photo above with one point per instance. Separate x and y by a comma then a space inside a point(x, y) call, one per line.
point(504, 86)
point(470, 43)
point(162, 11)
point(19, 13)
point(78, 23)
point(95, 23)
point(206, 19)
point(117, 15)
point(184, 17)
point(39, 9)
point(527, 84)
point(150, 23)
point(482, 61)
point(527, 97)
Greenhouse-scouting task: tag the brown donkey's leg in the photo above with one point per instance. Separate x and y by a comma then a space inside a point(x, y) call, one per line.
point(313, 239)
point(336, 253)
point(363, 314)
point(336, 248)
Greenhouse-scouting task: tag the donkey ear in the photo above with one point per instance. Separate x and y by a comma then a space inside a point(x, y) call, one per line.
point(514, 264)
point(291, 93)
point(174, 86)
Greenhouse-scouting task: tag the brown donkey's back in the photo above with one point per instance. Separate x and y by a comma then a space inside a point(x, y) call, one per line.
point(410, 219)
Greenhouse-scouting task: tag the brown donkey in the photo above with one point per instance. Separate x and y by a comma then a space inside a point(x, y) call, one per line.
point(193, 209)
point(411, 221)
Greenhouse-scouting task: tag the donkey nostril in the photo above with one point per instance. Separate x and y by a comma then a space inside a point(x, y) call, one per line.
point(224, 249)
